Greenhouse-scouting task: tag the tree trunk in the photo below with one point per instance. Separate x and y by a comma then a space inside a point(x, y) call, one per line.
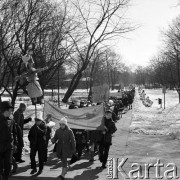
point(90, 89)
point(72, 87)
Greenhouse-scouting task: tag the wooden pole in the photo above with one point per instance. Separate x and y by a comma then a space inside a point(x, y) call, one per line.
point(164, 100)
point(58, 87)
point(35, 111)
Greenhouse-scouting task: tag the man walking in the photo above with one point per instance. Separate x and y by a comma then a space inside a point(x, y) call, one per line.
point(19, 119)
point(37, 138)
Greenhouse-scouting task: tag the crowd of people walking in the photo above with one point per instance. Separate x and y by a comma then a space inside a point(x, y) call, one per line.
point(68, 143)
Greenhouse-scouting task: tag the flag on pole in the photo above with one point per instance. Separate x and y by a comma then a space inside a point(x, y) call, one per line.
point(88, 118)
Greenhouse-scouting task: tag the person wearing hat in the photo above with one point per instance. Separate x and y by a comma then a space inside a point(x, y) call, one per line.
point(37, 138)
point(66, 145)
point(106, 137)
point(20, 121)
point(8, 140)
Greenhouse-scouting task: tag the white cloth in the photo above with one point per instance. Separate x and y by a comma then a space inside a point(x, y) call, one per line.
point(51, 124)
point(34, 89)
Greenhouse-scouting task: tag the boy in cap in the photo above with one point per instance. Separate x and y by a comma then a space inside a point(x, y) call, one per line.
point(37, 138)
point(106, 137)
point(7, 139)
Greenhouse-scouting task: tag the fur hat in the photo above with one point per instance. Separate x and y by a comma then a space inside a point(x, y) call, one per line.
point(63, 121)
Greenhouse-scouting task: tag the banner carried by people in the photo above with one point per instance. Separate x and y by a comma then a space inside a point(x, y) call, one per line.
point(88, 118)
point(100, 93)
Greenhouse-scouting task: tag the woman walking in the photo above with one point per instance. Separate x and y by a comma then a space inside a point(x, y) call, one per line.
point(66, 145)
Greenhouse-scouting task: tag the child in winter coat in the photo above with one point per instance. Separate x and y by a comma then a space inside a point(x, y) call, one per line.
point(66, 145)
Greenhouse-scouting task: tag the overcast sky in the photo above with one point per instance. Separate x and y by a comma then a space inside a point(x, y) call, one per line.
point(153, 16)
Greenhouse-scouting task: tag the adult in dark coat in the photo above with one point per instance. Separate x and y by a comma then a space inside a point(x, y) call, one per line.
point(37, 138)
point(19, 119)
point(66, 144)
point(130, 100)
point(106, 137)
point(125, 100)
point(8, 140)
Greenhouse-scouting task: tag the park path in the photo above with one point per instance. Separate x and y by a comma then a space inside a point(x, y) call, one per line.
point(83, 169)
point(138, 148)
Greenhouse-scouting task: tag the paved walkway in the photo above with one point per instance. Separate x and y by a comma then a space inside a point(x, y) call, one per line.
point(138, 148)
point(83, 169)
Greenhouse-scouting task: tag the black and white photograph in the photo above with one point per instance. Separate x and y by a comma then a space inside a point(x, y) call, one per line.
point(89, 89)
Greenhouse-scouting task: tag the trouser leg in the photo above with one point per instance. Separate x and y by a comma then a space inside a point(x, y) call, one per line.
point(79, 149)
point(41, 155)
point(92, 152)
point(18, 154)
point(32, 158)
point(101, 152)
point(7, 163)
point(64, 166)
point(14, 165)
point(106, 153)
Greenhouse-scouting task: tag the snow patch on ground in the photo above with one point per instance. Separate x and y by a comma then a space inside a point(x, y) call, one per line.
point(155, 120)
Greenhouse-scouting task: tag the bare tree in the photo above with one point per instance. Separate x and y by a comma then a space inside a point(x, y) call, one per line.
point(100, 21)
point(38, 23)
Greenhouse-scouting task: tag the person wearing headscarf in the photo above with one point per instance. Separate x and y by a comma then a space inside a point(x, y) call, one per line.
point(66, 144)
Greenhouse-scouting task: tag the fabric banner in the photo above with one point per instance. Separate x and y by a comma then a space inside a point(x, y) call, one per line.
point(88, 118)
point(100, 93)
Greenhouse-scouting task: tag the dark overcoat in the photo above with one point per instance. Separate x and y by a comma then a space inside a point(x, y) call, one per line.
point(106, 137)
point(37, 136)
point(66, 144)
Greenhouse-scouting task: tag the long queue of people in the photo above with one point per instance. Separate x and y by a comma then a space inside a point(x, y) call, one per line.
point(68, 143)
